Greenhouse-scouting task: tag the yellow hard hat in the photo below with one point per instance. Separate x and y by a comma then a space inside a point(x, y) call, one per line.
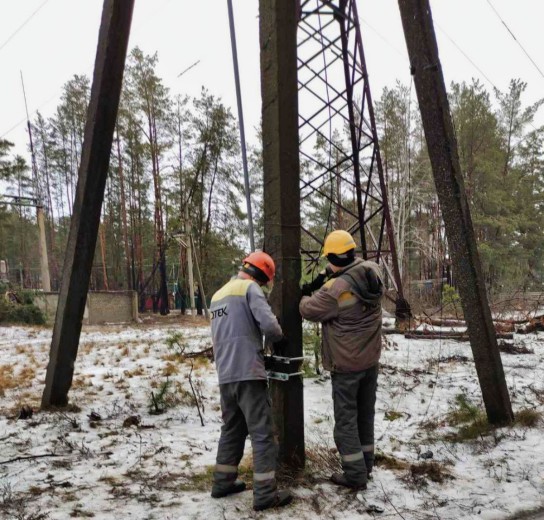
point(338, 242)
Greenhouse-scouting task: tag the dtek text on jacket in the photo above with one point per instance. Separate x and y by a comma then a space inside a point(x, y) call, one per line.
point(351, 315)
point(240, 317)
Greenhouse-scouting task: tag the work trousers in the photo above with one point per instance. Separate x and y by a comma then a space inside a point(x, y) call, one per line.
point(245, 408)
point(354, 398)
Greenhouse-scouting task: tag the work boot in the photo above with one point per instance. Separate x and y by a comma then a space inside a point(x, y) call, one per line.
point(341, 480)
point(236, 487)
point(281, 499)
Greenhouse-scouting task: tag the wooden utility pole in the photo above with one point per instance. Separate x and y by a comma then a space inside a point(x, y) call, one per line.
point(278, 30)
point(441, 143)
point(80, 249)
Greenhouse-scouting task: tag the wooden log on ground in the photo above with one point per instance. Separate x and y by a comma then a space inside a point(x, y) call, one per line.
point(462, 336)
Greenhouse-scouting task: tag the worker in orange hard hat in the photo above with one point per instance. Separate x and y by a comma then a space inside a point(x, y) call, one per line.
point(348, 306)
point(241, 316)
point(260, 266)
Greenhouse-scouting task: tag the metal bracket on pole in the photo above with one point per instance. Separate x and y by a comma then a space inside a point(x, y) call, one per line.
point(280, 376)
point(281, 368)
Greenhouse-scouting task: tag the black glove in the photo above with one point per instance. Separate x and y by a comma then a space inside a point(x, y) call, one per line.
point(279, 347)
point(315, 284)
point(306, 289)
point(268, 362)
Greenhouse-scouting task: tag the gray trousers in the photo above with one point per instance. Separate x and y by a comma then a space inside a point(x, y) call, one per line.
point(246, 409)
point(354, 398)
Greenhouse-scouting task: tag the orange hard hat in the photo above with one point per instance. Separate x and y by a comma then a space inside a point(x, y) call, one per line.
point(260, 266)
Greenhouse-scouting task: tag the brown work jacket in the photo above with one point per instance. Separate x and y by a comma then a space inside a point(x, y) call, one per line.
point(349, 310)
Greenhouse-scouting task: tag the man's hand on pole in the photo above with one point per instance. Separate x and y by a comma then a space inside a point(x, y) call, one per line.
point(316, 284)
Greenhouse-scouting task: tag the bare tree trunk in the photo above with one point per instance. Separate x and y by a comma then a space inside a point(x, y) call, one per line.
point(123, 212)
point(103, 255)
point(159, 226)
point(210, 195)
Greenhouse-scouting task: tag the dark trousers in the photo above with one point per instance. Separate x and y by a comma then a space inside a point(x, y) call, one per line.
point(354, 398)
point(246, 410)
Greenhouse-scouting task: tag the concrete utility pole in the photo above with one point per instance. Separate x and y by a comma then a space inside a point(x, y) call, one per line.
point(42, 242)
point(278, 30)
point(189, 244)
point(435, 113)
point(199, 277)
point(93, 171)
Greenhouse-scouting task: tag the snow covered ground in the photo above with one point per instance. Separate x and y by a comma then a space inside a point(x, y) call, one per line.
point(108, 457)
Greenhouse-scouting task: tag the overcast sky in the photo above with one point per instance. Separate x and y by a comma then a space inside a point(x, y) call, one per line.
point(60, 39)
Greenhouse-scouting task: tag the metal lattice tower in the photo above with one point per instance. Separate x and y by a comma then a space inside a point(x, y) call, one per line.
point(341, 170)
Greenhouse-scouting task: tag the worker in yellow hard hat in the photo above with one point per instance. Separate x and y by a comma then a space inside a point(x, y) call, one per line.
point(348, 306)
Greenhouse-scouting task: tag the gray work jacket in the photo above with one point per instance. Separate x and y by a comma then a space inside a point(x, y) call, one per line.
point(241, 316)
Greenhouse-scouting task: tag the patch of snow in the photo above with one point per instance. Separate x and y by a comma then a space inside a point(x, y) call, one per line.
point(157, 468)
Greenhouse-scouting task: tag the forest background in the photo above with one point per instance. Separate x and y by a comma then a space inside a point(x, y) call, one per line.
point(178, 156)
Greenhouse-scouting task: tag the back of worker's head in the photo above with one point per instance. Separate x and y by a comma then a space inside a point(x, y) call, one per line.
point(339, 248)
point(259, 266)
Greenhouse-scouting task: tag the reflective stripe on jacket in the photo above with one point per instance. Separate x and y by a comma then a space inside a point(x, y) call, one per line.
point(241, 316)
point(352, 323)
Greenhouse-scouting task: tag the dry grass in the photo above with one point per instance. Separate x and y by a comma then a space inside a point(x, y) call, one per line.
point(170, 369)
point(80, 382)
point(79, 512)
point(419, 474)
point(110, 480)
point(431, 425)
point(203, 480)
point(322, 459)
point(26, 376)
point(7, 379)
point(87, 348)
point(183, 395)
point(528, 417)
point(199, 362)
point(36, 490)
point(138, 371)
point(389, 462)
point(27, 399)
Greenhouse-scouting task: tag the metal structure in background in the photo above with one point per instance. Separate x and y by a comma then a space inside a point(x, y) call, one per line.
point(341, 168)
